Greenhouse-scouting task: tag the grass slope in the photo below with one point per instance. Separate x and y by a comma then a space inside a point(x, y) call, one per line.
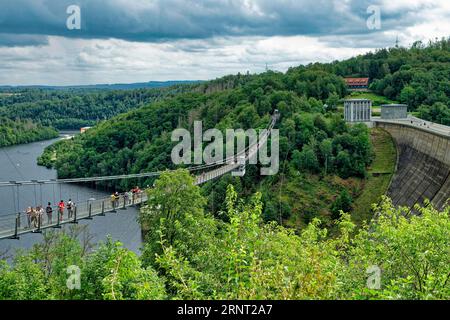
point(380, 174)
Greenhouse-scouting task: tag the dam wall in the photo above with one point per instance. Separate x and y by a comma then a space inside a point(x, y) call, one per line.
point(423, 168)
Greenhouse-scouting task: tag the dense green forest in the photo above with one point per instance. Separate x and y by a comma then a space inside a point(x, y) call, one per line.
point(190, 254)
point(76, 108)
point(23, 131)
point(418, 76)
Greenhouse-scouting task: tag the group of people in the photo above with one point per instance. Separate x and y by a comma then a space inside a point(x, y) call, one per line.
point(35, 216)
point(129, 197)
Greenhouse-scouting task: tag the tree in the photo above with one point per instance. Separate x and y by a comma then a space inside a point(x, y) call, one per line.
point(408, 95)
point(173, 206)
point(326, 152)
point(344, 164)
point(127, 280)
point(411, 252)
point(343, 203)
point(332, 101)
point(306, 160)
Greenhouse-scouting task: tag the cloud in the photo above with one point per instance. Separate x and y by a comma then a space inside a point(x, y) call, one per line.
point(142, 40)
point(13, 40)
point(163, 20)
point(88, 61)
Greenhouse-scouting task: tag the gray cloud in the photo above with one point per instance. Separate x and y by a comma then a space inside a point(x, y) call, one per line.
point(162, 20)
point(141, 40)
point(17, 40)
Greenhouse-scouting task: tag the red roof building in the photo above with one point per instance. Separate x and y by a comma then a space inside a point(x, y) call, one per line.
point(357, 83)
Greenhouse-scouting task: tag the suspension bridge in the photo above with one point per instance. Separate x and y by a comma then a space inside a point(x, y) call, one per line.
point(12, 226)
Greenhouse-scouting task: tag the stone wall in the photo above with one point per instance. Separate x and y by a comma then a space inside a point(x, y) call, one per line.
point(424, 165)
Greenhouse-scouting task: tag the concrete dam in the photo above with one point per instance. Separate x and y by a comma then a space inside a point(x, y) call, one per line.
point(423, 166)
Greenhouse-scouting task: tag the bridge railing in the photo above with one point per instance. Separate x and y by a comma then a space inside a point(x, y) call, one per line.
point(13, 225)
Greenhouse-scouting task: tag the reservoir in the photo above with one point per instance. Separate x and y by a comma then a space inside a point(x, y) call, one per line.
point(19, 163)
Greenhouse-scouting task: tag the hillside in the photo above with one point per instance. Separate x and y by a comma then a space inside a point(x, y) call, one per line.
point(76, 108)
point(17, 132)
point(112, 86)
point(418, 76)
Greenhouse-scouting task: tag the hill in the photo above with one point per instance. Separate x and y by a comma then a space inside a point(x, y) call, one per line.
point(23, 131)
point(113, 86)
point(76, 108)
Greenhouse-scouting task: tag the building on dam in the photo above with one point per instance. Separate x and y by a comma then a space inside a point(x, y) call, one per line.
point(358, 110)
point(394, 111)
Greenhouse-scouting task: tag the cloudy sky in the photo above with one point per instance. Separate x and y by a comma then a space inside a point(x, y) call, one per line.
point(122, 41)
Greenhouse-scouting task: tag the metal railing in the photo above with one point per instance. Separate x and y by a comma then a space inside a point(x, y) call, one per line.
point(14, 225)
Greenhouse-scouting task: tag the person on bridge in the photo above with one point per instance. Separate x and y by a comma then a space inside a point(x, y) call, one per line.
point(135, 192)
point(34, 216)
point(126, 197)
point(116, 199)
point(70, 205)
point(113, 202)
point(40, 215)
point(130, 195)
point(49, 211)
point(28, 212)
point(61, 207)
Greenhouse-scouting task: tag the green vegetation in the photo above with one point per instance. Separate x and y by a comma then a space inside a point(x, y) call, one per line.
point(377, 100)
point(416, 76)
point(380, 174)
point(438, 112)
point(190, 254)
point(23, 131)
point(73, 109)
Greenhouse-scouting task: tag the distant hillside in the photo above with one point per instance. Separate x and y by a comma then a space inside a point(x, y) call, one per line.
point(115, 86)
point(76, 107)
point(23, 131)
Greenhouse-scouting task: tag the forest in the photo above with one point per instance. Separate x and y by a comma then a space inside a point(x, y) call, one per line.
point(76, 108)
point(23, 131)
point(418, 76)
point(190, 254)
